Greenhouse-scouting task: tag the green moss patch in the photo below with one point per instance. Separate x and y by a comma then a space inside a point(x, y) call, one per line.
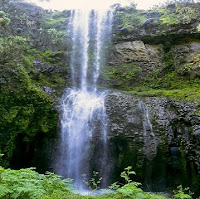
point(121, 76)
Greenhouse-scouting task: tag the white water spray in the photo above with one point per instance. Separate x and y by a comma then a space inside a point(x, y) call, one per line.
point(83, 115)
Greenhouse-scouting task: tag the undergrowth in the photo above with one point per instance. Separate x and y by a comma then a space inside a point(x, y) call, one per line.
point(28, 184)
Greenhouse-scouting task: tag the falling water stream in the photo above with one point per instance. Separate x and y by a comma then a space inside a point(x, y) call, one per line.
point(82, 107)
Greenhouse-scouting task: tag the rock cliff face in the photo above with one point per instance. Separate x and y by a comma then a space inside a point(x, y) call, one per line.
point(150, 58)
point(158, 136)
point(157, 43)
point(136, 53)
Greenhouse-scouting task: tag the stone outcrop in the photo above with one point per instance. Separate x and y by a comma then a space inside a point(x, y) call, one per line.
point(158, 136)
point(187, 58)
point(148, 57)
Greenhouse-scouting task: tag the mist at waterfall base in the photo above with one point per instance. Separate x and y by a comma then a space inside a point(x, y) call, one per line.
point(83, 118)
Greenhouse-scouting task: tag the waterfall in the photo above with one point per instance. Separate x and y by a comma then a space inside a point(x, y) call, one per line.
point(83, 115)
point(150, 140)
point(150, 143)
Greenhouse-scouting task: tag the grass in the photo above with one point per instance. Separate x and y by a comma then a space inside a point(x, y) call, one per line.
point(186, 94)
point(170, 84)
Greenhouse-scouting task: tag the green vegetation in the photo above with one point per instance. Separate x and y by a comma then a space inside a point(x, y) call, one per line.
point(11, 48)
point(177, 88)
point(124, 76)
point(182, 193)
point(169, 84)
point(168, 17)
point(177, 82)
point(3, 19)
point(94, 182)
point(51, 36)
point(169, 14)
point(28, 184)
point(178, 12)
point(130, 18)
point(55, 19)
point(28, 113)
point(29, 65)
point(48, 60)
point(54, 27)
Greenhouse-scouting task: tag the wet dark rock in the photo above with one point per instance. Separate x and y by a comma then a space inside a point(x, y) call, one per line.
point(151, 22)
point(154, 133)
point(47, 90)
point(42, 66)
point(197, 133)
point(175, 151)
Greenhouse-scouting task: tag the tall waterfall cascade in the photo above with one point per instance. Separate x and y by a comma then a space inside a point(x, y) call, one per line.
point(83, 115)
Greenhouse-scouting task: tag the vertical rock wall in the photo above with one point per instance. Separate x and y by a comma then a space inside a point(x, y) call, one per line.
point(159, 137)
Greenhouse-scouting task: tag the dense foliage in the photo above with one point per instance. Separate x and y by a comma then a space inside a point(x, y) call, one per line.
point(178, 13)
point(28, 184)
point(3, 19)
point(27, 111)
point(132, 20)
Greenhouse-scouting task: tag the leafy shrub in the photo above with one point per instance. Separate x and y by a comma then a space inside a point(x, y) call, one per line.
point(185, 14)
point(126, 174)
point(54, 19)
point(181, 193)
point(3, 19)
point(51, 36)
point(131, 189)
point(27, 112)
point(94, 182)
point(11, 48)
point(28, 184)
point(2, 14)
